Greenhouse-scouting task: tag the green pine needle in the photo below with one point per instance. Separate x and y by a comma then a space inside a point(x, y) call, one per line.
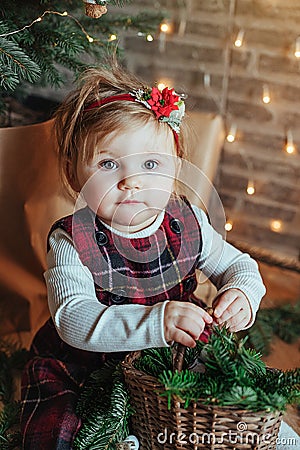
point(41, 53)
point(13, 59)
point(105, 410)
point(234, 375)
point(12, 358)
point(10, 437)
point(282, 321)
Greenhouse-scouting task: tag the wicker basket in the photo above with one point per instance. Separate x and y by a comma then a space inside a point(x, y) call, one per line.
point(196, 427)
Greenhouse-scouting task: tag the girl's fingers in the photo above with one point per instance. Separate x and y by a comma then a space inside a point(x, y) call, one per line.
point(237, 321)
point(200, 313)
point(192, 327)
point(184, 338)
point(233, 309)
point(230, 313)
point(225, 302)
point(238, 325)
point(184, 321)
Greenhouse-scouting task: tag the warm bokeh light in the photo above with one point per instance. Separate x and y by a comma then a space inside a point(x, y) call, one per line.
point(266, 95)
point(276, 225)
point(228, 225)
point(161, 86)
point(290, 147)
point(165, 28)
point(297, 47)
point(239, 39)
point(231, 134)
point(250, 188)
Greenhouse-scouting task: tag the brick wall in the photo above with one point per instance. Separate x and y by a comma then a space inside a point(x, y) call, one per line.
point(201, 42)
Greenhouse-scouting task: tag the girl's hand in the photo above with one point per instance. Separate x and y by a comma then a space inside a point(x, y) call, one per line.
point(184, 322)
point(232, 307)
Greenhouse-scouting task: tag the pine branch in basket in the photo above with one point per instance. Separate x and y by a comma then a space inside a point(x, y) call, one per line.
point(225, 372)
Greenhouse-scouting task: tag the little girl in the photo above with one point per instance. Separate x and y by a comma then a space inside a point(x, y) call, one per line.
point(121, 268)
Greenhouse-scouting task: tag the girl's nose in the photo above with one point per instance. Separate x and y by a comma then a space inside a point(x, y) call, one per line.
point(131, 182)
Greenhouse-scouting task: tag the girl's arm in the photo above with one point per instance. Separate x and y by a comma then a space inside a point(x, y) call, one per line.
point(227, 267)
point(81, 320)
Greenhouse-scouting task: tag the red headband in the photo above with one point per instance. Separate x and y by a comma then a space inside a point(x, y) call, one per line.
point(166, 105)
point(113, 98)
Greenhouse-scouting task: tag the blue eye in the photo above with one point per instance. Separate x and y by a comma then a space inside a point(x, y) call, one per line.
point(150, 164)
point(108, 164)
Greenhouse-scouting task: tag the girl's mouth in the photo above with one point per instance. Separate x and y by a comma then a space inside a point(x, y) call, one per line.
point(129, 202)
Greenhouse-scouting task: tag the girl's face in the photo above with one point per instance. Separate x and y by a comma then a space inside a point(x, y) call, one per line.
point(130, 178)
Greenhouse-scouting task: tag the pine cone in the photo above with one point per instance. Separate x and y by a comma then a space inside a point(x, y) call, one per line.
point(95, 11)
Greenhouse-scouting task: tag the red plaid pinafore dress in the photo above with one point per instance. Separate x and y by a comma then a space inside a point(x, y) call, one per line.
point(142, 271)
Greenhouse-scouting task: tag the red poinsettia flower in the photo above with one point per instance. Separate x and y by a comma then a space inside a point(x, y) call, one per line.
point(163, 102)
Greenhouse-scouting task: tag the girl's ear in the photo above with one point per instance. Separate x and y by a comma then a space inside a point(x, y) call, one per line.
point(71, 176)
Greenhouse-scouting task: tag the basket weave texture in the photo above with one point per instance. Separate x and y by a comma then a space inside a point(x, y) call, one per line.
point(196, 427)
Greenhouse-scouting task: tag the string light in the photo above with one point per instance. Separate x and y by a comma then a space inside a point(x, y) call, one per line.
point(250, 187)
point(276, 225)
point(165, 27)
point(40, 18)
point(297, 47)
point(232, 133)
point(290, 146)
point(161, 86)
point(266, 98)
point(239, 38)
point(228, 225)
point(266, 94)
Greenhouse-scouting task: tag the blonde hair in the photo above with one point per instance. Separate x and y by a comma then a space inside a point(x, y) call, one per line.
point(78, 131)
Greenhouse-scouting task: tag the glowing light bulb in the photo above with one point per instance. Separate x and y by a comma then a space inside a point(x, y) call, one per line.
point(165, 28)
point(266, 94)
point(232, 133)
point(239, 39)
point(149, 38)
point(276, 225)
point(297, 47)
point(112, 37)
point(228, 225)
point(161, 86)
point(290, 147)
point(250, 188)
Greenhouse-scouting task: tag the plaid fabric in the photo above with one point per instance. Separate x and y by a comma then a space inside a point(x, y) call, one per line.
point(50, 386)
point(144, 271)
point(147, 270)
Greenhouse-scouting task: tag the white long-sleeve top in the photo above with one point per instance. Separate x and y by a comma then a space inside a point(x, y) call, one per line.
point(83, 322)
